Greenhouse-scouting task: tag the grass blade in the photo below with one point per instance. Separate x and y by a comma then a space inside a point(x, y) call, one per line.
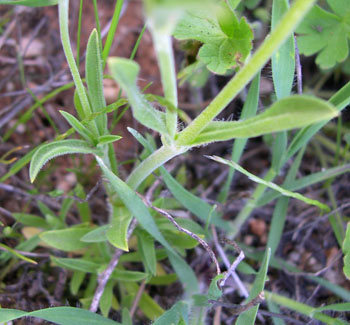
point(274, 186)
point(304, 182)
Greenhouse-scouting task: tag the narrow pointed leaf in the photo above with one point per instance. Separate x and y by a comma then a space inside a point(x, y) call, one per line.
point(110, 138)
point(65, 239)
point(118, 229)
point(287, 113)
point(94, 80)
point(147, 251)
point(54, 149)
point(19, 255)
point(96, 236)
point(76, 264)
point(270, 184)
point(305, 181)
point(78, 127)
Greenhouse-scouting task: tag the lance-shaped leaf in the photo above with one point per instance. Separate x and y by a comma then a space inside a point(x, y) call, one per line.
point(125, 72)
point(54, 149)
point(117, 234)
point(108, 138)
point(67, 240)
point(79, 127)
point(285, 114)
point(94, 78)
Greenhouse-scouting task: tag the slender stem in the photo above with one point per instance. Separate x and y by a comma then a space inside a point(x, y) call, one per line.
point(282, 31)
point(97, 20)
point(63, 6)
point(152, 162)
point(112, 30)
point(63, 20)
point(79, 31)
point(164, 49)
point(136, 46)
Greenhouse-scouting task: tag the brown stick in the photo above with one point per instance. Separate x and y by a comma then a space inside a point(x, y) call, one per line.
point(191, 234)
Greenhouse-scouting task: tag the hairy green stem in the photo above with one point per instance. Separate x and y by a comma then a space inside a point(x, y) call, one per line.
point(63, 7)
point(163, 46)
point(152, 162)
point(282, 31)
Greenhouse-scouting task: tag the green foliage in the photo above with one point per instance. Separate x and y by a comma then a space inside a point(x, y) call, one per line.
point(125, 73)
point(66, 239)
point(271, 185)
point(58, 315)
point(54, 149)
point(226, 39)
point(226, 42)
point(285, 114)
point(326, 33)
point(94, 78)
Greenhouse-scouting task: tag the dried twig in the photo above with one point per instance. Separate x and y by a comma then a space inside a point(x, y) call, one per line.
point(239, 309)
point(137, 298)
point(105, 275)
point(298, 67)
point(237, 280)
point(191, 234)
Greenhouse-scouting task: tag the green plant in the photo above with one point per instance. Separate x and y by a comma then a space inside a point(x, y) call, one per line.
point(326, 33)
point(102, 249)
